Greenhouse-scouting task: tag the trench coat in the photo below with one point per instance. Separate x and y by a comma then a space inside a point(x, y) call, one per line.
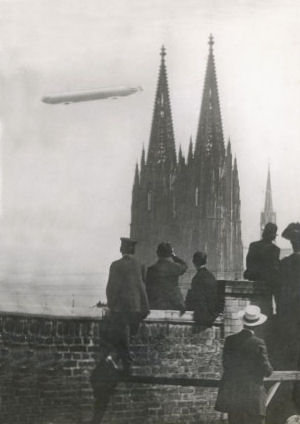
point(245, 363)
point(125, 289)
point(162, 283)
point(202, 297)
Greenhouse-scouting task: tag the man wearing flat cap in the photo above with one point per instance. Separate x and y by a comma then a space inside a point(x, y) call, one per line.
point(126, 299)
point(245, 363)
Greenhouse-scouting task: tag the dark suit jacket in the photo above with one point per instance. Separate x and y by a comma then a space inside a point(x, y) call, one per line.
point(202, 298)
point(288, 307)
point(290, 287)
point(162, 283)
point(125, 289)
point(262, 261)
point(245, 363)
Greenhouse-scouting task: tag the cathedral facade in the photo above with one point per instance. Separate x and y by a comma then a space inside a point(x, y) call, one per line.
point(192, 202)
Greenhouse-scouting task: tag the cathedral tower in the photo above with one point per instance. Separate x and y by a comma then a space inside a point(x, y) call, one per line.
point(193, 203)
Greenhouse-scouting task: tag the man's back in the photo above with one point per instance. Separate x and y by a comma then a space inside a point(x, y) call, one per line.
point(125, 288)
point(262, 260)
point(163, 285)
point(202, 298)
point(245, 363)
point(245, 357)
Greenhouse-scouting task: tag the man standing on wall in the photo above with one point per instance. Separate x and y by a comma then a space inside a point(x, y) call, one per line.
point(245, 361)
point(202, 297)
point(262, 263)
point(126, 299)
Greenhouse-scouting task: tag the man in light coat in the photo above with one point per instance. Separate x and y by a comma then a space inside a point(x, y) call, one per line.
point(245, 361)
point(126, 299)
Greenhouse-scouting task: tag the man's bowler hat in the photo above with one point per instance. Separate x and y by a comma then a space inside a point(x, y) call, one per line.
point(292, 231)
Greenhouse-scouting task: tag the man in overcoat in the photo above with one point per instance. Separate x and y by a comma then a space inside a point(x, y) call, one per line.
point(245, 362)
point(162, 280)
point(262, 264)
point(289, 316)
point(202, 297)
point(262, 260)
point(126, 299)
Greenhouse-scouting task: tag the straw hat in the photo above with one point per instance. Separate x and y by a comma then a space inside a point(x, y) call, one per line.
point(252, 316)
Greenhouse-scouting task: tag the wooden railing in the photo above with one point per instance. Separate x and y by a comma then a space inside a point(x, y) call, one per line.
point(276, 378)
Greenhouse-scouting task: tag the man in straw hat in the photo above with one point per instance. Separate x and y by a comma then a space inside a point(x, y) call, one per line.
point(126, 299)
point(245, 361)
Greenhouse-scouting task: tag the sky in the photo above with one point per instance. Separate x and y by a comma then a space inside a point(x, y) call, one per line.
point(67, 170)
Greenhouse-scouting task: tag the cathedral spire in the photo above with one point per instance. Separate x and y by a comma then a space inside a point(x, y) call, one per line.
point(190, 153)
point(136, 176)
point(268, 196)
point(268, 214)
point(143, 158)
point(210, 133)
point(162, 143)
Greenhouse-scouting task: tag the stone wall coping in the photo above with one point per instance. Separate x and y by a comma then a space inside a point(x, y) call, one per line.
point(155, 316)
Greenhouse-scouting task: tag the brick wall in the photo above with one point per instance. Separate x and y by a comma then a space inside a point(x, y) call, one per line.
point(46, 363)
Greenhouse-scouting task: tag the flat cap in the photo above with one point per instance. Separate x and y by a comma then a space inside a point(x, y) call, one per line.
point(126, 241)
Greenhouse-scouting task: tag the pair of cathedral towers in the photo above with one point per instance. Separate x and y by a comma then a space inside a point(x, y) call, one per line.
point(193, 202)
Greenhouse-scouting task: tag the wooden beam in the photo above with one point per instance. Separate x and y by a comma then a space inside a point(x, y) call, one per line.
point(277, 376)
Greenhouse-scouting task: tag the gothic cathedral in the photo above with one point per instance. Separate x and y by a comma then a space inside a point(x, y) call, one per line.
point(193, 202)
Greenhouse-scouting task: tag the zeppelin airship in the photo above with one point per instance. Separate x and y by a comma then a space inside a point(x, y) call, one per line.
point(88, 95)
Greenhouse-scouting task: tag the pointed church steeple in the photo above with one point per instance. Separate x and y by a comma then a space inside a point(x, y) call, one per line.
point(210, 133)
point(162, 143)
point(268, 214)
point(190, 153)
point(268, 196)
point(136, 176)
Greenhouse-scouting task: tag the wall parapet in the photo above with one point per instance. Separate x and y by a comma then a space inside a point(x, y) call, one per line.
point(46, 362)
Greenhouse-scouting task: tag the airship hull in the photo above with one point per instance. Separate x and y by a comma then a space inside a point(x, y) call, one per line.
point(89, 95)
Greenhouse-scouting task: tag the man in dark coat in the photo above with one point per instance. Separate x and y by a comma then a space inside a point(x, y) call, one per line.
point(202, 297)
point(126, 299)
point(289, 311)
point(245, 361)
point(162, 280)
point(262, 264)
point(262, 261)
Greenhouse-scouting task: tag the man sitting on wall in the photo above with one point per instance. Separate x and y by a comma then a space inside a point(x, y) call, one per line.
point(162, 280)
point(202, 297)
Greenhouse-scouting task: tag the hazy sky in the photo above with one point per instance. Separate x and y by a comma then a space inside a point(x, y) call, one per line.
point(68, 170)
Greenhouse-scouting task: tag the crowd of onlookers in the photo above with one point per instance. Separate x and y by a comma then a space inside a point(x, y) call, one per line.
point(131, 293)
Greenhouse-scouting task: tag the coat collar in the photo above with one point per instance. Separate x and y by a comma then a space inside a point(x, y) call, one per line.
point(247, 331)
point(169, 259)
